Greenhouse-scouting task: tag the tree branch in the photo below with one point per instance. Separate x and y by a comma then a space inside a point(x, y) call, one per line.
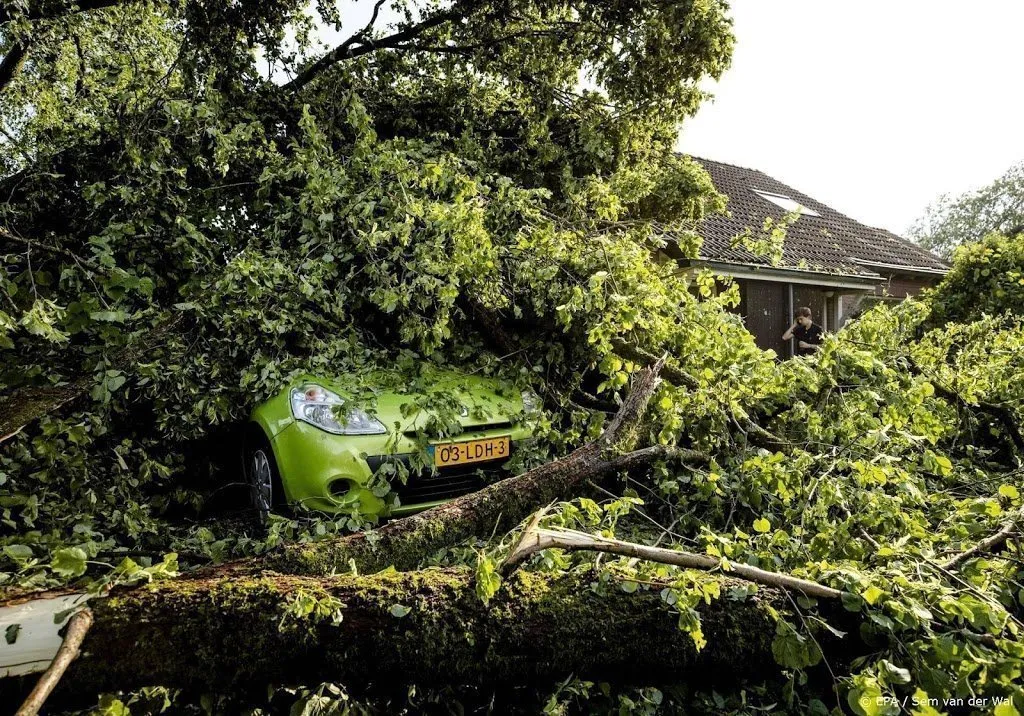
point(63, 9)
point(78, 625)
point(361, 44)
point(12, 63)
point(404, 543)
point(989, 544)
point(1000, 413)
point(675, 376)
point(535, 539)
point(753, 432)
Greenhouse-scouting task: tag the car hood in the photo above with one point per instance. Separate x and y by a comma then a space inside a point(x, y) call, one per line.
point(482, 402)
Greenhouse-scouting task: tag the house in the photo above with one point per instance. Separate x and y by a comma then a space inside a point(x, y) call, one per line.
point(829, 262)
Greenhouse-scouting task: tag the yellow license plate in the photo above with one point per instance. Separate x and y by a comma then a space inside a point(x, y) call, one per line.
point(472, 451)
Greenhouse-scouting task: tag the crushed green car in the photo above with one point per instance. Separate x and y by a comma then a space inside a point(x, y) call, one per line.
point(324, 448)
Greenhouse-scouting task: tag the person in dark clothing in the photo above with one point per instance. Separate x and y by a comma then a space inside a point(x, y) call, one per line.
point(805, 331)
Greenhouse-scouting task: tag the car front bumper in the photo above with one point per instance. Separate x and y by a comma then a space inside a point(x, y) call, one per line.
point(333, 473)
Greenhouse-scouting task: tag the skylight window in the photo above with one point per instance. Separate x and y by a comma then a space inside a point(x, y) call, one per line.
point(786, 203)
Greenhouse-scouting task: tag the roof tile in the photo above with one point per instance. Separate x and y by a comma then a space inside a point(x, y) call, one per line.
point(830, 243)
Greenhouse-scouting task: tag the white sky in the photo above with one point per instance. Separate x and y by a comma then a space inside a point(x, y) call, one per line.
point(874, 107)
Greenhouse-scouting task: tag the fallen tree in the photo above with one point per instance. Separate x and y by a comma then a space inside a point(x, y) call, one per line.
point(432, 187)
point(429, 626)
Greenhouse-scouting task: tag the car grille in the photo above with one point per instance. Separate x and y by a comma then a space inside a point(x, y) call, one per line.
point(505, 425)
point(444, 483)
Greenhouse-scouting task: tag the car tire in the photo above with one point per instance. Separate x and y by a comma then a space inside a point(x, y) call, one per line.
point(262, 480)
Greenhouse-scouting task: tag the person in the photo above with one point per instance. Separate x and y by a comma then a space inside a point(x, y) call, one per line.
point(806, 332)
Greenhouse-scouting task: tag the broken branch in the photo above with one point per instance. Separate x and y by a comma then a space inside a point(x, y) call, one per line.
point(78, 625)
point(989, 544)
point(536, 539)
point(404, 543)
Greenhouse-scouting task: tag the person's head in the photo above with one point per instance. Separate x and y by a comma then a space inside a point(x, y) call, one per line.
point(803, 316)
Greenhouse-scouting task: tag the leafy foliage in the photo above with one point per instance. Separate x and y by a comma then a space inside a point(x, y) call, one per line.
point(987, 278)
point(185, 231)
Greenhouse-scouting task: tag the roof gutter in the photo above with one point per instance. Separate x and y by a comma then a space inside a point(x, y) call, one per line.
point(758, 272)
point(900, 268)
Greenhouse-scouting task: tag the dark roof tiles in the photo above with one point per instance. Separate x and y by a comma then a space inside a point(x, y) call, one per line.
point(830, 243)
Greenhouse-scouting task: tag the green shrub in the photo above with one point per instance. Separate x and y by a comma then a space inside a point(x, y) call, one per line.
point(987, 277)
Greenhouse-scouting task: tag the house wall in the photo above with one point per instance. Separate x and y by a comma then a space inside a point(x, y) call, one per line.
point(764, 306)
point(895, 288)
point(767, 309)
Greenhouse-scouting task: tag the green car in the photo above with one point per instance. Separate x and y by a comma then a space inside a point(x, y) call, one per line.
point(400, 452)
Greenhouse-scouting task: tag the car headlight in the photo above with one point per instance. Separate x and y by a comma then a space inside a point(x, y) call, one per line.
point(531, 401)
point(318, 406)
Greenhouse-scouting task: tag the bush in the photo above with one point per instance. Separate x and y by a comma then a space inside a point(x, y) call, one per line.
point(987, 277)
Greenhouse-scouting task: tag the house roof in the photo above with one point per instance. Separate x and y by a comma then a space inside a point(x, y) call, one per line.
point(829, 243)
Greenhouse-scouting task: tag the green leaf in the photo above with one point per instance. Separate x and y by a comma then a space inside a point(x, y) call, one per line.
point(872, 594)
point(399, 610)
point(1005, 708)
point(791, 649)
point(109, 316)
point(866, 700)
point(20, 553)
point(1009, 492)
point(11, 633)
point(762, 525)
point(895, 674)
point(487, 578)
point(69, 562)
point(111, 706)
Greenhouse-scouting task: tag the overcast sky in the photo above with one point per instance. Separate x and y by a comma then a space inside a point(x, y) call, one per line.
point(874, 107)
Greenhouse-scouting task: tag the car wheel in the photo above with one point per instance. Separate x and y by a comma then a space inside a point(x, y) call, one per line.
point(261, 478)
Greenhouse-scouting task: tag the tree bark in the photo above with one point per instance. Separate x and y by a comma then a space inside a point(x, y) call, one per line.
point(12, 63)
point(43, 11)
point(237, 635)
point(27, 405)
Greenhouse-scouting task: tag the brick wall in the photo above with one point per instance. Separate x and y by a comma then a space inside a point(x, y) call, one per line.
point(896, 288)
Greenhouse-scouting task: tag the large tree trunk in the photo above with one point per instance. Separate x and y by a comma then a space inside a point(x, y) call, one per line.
point(230, 634)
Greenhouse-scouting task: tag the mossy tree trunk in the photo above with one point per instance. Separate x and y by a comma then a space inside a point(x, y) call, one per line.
point(397, 628)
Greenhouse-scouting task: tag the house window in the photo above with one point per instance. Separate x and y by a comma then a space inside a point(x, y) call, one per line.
point(786, 203)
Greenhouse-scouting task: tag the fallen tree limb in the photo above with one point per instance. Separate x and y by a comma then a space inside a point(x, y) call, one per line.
point(1000, 413)
point(535, 539)
point(989, 544)
point(78, 625)
point(761, 437)
point(24, 406)
point(396, 628)
point(675, 376)
point(753, 432)
point(406, 542)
